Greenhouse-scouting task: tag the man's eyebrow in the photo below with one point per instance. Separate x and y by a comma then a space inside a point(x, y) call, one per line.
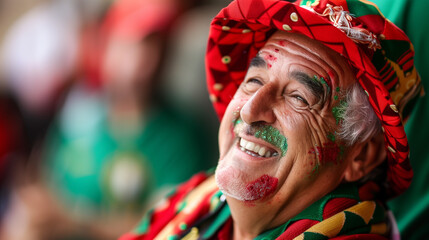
point(258, 61)
point(315, 87)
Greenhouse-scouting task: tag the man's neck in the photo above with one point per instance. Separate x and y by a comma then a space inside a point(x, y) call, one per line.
point(252, 219)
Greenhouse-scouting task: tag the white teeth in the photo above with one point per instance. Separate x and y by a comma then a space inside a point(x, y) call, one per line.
point(243, 142)
point(262, 151)
point(252, 148)
point(256, 148)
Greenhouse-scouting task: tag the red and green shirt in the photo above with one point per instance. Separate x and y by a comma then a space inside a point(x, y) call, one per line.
point(198, 210)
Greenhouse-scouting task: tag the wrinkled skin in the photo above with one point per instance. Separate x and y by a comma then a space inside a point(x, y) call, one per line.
point(273, 93)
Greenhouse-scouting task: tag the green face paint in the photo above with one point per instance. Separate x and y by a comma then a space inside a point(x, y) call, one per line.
point(331, 137)
point(339, 110)
point(315, 170)
point(342, 151)
point(336, 96)
point(267, 133)
point(326, 84)
point(236, 121)
point(322, 81)
point(272, 136)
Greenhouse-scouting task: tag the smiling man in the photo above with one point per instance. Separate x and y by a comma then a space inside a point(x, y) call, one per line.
point(312, 97)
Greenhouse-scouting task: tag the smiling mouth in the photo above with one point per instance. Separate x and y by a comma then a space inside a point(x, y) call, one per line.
point(256, 150)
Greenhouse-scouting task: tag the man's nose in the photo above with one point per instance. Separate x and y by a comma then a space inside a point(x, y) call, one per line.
point(259, 107)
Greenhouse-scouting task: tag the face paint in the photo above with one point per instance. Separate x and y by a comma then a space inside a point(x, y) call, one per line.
point(236, 116)
point(322, 81)
point(250, 191)
point(237, 121)
point(265, 132)
point(331, 137)
point(315, 169)
point(331, 75)
point(329, 154)
point(270, 59)
point(336, 96)
point(261, 187)
point(273, 136)
point(338, 111)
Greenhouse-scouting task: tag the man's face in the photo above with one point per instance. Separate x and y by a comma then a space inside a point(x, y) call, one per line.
point(277, 137)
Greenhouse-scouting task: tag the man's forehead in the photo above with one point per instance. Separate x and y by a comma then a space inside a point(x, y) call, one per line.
point(297, 45)
point(313, 54)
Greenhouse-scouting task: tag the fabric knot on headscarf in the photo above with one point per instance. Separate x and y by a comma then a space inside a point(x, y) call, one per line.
point(343, 20)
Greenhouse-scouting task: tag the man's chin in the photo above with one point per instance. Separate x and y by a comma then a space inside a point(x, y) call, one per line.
point(238, 185)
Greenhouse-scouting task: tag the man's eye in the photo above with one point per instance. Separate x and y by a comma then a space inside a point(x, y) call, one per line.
point(252, 85)
point(254, 80)
point(299, 100)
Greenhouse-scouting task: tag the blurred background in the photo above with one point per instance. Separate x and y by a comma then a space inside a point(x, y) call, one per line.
point(103, 110)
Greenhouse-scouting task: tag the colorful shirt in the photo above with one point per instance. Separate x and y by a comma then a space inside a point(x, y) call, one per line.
point(198, 210)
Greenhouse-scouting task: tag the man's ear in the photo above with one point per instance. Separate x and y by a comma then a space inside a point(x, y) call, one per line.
point(365, 157)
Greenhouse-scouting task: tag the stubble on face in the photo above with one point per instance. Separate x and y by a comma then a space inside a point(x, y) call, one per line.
point(238, 183)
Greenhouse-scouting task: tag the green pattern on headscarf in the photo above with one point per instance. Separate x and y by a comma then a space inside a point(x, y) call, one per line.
point(358, 9)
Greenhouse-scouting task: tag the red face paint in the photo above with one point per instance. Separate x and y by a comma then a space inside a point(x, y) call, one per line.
point(329, 153)
point(270, 59)
point(261, 187)
point(331, 76)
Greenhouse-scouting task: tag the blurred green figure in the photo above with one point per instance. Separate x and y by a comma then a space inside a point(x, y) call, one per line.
point(117, 144)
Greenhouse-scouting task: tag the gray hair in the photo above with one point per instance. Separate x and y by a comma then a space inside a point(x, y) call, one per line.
point(359, 121)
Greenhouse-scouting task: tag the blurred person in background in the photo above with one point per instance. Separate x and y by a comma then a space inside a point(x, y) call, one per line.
point(38, 59)
point(113, 149)
point(114, 143)
point(11, 139)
